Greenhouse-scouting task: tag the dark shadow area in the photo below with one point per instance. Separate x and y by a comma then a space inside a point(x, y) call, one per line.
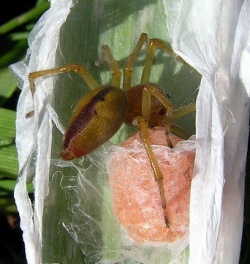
point(245, 244)
point(11, 241)
point(14, 8)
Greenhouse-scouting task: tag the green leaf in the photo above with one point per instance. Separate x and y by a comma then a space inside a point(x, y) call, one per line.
point(8, 153)
point(24, 18)
point(84, 199)
point(7, 85)
point(77, 218)
point(7, 185)
point(16, 51)
point(7, 203)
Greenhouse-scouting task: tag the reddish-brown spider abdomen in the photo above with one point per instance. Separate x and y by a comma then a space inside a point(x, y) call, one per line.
point(96, 118)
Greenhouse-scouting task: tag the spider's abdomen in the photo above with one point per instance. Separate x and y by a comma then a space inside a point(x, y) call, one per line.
point(96, 118)
point(134, 95)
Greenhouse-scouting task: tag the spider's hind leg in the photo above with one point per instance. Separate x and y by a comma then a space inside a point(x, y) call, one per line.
point(76, 68)
point(143, 126)
point(150, 90)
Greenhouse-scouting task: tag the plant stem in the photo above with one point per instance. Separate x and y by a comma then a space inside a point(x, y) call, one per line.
point(24, 18)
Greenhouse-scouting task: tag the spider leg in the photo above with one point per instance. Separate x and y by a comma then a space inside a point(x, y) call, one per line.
point(153, 44)
point(143, 126)
point(116, 74)
point(184, 110)
point(177, 113)
point(148, 91)
point(180, 132)
point(77, 68)
point(128, 69)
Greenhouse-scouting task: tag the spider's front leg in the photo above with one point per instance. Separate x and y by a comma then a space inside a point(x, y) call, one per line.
point(149, 91)
point(143, 126)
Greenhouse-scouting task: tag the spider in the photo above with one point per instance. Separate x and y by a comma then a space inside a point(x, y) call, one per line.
point(98, 115)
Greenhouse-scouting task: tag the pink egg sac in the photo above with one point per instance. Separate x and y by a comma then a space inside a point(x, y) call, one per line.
point(135, 193)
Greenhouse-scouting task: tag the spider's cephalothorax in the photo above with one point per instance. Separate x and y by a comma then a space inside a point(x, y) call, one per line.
point(100, 113)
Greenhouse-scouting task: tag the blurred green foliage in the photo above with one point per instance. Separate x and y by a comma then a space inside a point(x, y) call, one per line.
point(16, 21)
point(13, 38)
